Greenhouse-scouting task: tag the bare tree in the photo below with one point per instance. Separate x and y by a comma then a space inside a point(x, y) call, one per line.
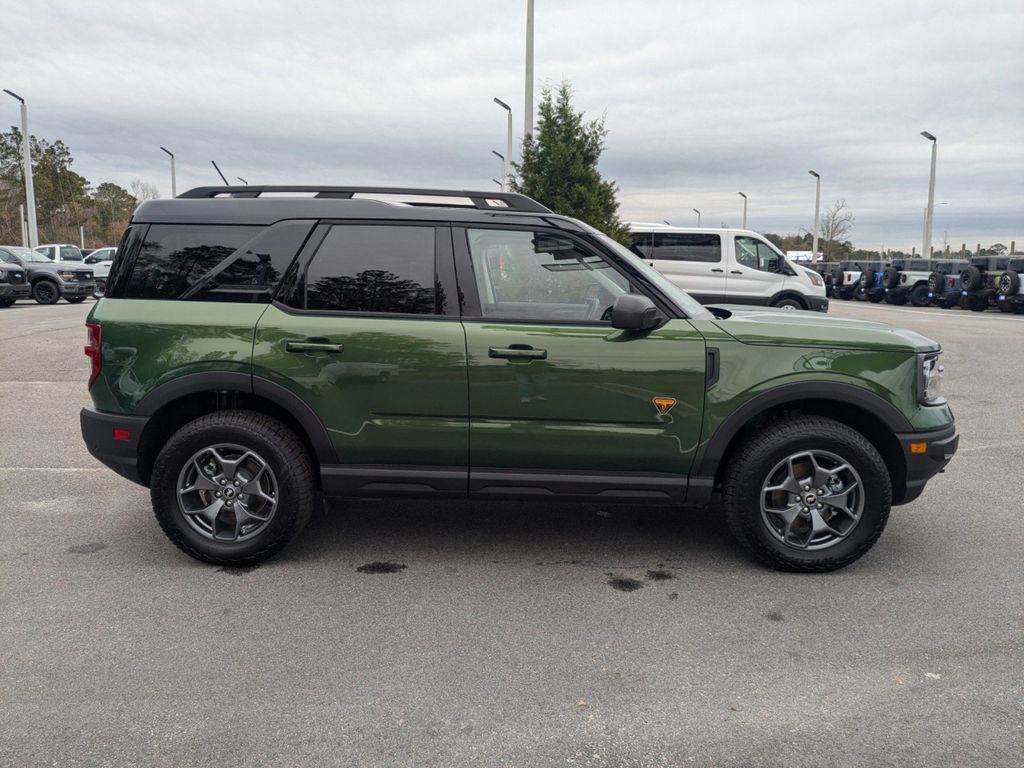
point(836, 223)
point(142, 191)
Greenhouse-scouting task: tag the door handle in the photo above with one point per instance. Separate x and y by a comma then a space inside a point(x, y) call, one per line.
point(735, 272)
point(518, 353)
point(716, 269)
point(313, 346)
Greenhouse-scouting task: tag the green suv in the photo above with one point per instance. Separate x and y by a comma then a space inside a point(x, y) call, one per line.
point(260, 349)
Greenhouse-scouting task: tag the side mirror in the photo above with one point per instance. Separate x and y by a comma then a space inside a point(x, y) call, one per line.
point(631, 312)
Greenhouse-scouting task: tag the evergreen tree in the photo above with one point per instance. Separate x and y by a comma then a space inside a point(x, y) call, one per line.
point(559, 167)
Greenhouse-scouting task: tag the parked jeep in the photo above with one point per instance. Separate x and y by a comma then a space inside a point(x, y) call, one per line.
point(907, 280)
point(13, 283)
point(1009, 297)
point(944, 283)
point(48, 279)
point(869, 284)
point(978, 282)
point(253, 353)
point(845, 279)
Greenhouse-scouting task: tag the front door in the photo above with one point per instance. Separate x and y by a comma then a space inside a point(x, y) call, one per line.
point(368, 335)
point(560, 402)
point(755, 272)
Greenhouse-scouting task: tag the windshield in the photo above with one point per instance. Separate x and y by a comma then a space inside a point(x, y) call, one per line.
point(683, 300)
point(26, 254)
point(70, 253)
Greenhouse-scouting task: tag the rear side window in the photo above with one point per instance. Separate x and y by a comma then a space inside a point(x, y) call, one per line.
point(387, 269)
point(685, 246)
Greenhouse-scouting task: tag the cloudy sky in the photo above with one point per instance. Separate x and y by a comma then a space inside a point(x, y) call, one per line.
point(702, 99)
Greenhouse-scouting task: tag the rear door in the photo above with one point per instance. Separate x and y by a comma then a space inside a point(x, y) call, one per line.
point(366, 331)
point(560, 402)
point(755, 271)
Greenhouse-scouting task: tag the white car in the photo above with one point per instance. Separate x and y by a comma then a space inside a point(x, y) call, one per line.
point(728, 266)
point(101, 260)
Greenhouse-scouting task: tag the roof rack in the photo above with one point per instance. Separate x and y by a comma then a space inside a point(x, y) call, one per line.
point(486, 201)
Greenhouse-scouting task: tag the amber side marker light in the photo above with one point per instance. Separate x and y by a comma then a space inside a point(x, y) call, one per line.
point(919, 447)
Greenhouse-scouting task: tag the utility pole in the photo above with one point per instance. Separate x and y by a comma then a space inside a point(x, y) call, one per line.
point(24, 226)
point(698, 216)
point(744, 209)
point(30, 191)
point(528, 100)
point(817, 211)
point(508, 145)
point(930, 211)
point(174, 185)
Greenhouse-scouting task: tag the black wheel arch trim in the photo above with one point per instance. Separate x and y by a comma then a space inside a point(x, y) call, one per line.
point(230, 381)
point(793, 393)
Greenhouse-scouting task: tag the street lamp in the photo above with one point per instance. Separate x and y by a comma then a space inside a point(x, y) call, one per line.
point(242, 180)
point(30, 190)
point(926, 248)
point(817, 210)
point(500, 185)
point(501, 165)
point(744, 209)
point(528, 100)
point(174, 184)
point(698, 216)
point(508, 144)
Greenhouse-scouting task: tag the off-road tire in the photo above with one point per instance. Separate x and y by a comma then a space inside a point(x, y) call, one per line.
point(75, 299)
point(973, 303)
point(971, 279)
point(4, 303)
point(919, 296)
point(748, 470)
point(274, 442)
point(46, 292)
point(890, 277)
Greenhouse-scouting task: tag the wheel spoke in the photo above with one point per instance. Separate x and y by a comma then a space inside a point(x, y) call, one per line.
point(200, 482)
point(790, 484)
point(819, 526)
point(208, 513)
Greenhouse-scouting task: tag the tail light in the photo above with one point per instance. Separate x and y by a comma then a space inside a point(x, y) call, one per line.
point(93, 349)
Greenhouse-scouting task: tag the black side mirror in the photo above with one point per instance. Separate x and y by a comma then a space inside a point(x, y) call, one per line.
point(631, 312)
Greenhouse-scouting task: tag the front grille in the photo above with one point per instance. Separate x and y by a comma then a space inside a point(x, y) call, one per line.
point(16, 277)
point(83, 275)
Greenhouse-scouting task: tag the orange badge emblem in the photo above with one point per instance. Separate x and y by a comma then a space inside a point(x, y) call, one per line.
point(663, 404)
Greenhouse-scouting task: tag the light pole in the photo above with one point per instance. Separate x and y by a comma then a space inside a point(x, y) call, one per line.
point(508, 145)
point(30, 190)
point(500, 185)
point(528, 100)
point(926, 249)
point(242, 180)
point(501, 165)
point(174, 182)
point(698, 216)
point(817, 211)
point(744, 209)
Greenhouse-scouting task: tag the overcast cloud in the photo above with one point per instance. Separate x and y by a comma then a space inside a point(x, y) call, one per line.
point(702, 99)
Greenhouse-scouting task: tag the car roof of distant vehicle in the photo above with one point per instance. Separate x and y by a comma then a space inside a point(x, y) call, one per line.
point(20, 250)
point(647, 226)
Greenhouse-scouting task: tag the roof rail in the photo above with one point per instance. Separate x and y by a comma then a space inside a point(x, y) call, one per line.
point(487, 201)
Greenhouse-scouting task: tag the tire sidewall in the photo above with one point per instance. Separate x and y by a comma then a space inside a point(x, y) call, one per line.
point(180, 448)
point(46, 298)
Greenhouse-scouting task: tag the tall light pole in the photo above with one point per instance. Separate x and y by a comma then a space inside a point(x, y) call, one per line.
point(926, 249)
point(500, 185)
point(508, 145)
point(174, 183)
point(817, 212)
point(744, 209)
point(501, 165)
point(242, 180)
point(698, 216)
point(528, 101)
point(30, 190)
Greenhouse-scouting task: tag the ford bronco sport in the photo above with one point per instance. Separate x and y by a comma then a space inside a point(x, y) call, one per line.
point(254, 352)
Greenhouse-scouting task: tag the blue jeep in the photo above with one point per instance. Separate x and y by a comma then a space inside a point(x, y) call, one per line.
point(870, 287)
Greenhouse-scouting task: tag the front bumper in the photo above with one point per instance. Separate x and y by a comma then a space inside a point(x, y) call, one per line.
point(15, 290)
point(77, 289)
point(816, 303)
point(121, 454)
point(926, 454)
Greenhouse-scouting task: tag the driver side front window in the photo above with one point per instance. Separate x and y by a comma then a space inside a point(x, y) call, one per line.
point(755, 254)
point(524, 275)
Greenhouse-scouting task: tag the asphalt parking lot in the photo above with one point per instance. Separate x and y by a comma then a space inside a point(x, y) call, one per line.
point(497, 638)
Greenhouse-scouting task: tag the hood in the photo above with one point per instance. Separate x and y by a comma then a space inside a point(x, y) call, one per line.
point(794, 328)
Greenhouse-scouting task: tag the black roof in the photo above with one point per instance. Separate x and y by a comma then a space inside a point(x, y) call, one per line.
point(268, 204)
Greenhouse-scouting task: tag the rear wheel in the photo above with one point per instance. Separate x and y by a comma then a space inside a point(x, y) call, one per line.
point(919, 296)
point(973, 303)
point(788, 302)
point(807, 494)
point(75, 299)
point(5, 302)
point(233, 487)
point(46, 292)
point(100, 289)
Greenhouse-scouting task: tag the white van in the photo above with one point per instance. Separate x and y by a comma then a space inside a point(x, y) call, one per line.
point(728, 266)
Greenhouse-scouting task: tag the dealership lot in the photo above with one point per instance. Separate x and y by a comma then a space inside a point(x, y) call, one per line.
point(409, 633)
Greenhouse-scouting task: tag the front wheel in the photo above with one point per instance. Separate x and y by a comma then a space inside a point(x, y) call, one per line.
point(100, 289)
point(919, 296)
point(46, 292)
point(788, 303)
point(807, 494)
point(6, 302)
point(233, 487)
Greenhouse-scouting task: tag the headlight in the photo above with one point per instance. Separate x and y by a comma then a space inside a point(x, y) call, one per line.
point(67, 275)
point(929, 378)
point(815, 278)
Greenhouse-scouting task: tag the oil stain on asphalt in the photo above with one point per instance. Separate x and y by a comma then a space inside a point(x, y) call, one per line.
point(87, 549)
point(379, 567)
point(624, 584)
point(238, 570)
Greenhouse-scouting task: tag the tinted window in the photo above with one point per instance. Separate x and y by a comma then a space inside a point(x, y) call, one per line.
point(173, 257)
point(8, 257)
point(47, 252)
point(70, 253)
point(541, 276)
point(685, 246)
point(374, 269)
point(757, 254)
